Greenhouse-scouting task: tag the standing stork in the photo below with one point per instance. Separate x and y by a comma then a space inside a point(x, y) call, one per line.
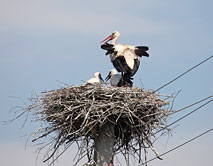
point(125, 58)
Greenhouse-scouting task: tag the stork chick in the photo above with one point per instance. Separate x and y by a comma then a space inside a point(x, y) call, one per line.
point(115, 79)
point(96, 79)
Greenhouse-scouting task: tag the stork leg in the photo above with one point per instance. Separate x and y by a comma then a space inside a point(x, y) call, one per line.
point(122, 79)
point(127, 80)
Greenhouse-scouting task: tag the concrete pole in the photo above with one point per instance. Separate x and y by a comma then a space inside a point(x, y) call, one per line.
point(104, 144)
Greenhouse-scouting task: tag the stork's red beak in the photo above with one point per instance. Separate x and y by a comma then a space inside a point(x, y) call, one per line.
point(107, 39)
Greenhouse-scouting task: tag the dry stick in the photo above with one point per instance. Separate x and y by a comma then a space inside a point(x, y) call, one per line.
point(152, 148)
point(179, 145)
point(56, 146)
point(183, 74)
point(60, 153)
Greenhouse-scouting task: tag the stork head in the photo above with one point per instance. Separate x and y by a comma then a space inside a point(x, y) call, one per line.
point(114, 36)
point(98, 75)
point(111, 73)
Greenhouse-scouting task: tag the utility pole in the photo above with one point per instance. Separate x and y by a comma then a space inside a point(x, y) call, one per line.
point(104, 145)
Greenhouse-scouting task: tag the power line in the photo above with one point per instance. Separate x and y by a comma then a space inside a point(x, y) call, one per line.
point(188, 106)
point(178, 146)
point(184, 73)
point(190, 113)
point(184, 116)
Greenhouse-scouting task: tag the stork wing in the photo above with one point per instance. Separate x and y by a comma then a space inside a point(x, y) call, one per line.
point(141, 51)
point(120, 64)
point(109, 47)
point(127, 62)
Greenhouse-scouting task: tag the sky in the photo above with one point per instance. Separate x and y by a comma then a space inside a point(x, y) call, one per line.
point(44, 44)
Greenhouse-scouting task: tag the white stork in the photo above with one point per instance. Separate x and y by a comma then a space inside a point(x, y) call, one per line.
point(96, 79)
point(115, 78)
point(125, 58)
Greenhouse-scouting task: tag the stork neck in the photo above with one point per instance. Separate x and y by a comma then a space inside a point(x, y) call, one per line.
point(114, 41)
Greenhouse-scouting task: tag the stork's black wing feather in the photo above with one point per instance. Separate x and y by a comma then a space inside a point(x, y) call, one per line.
point(145, 48)
point(120, 64)
point(135, 67)
point(117, 64)
point(141, 51)
point(109, 47)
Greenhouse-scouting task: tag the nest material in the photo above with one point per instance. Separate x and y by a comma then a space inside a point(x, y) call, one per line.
point(78, 112)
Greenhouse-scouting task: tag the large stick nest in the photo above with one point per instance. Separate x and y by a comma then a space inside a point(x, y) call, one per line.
point(78, 112)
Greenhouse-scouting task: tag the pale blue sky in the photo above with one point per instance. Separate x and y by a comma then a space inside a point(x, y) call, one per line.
point(43, 42)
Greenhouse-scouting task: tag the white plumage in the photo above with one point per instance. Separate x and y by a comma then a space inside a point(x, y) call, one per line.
point(96, 79)
point(125, 58)
point(115, 78)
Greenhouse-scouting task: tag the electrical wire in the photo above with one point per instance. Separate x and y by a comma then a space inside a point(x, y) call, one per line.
point(188, 106)
point(178, 146)
point(184, 73)
point(184, 116)
point(190, 113)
